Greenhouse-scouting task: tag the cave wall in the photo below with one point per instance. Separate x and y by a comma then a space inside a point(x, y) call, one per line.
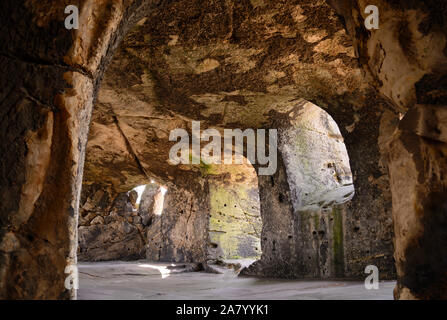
point(48, 106)
point(265, 60)
point(278, 239)
point(235, 222)
point(369, 229)
point(316, 226)
point(406, 60)
point(110, 225)
point(170, 227)
point(45, 112)
point(180, 232)
point(417, 151)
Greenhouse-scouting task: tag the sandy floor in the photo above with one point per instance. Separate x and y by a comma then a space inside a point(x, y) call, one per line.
point(147, 280)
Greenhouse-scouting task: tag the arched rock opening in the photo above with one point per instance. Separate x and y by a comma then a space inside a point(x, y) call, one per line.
point(309, 228)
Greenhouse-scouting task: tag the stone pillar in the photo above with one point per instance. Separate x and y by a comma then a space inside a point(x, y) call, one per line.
point(302, 216)
point(278, 236)
point(41, 177)
point(368, 224)
point(417, 166)
point(314, 225)
point(48, 77)
point(407, 73)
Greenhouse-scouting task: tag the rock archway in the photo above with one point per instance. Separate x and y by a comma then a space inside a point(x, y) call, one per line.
point(316, 225)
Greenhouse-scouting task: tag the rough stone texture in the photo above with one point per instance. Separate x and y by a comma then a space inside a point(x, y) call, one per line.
point(407, 62)
point(407, 56)
point(307, 232)
point(110, 226)
point(316, 159)
point(369, 225)
point(278, 239)
point(320, 180)
point(417, 151)
point(240, 74)
point(46, 112)
point(253, 62)
point(113, 226)
point(180, 231)
point(235, 217)
point(229, 64)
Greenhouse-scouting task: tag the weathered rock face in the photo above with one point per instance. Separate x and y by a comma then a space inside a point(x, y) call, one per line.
point(309, 229)
point(46, 112)
point(110, 226)
point(162, 227)
point(407, 55)
point(407, 60)
point(320, 180)
point(170, 224)
point(229, 64)
point(316, 159)
point(235, 217)
point(243, 74)
point(179, 232)
point(418, 151)
point(256, 60)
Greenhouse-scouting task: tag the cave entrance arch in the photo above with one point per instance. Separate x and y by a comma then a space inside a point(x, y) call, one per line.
point(303, 203)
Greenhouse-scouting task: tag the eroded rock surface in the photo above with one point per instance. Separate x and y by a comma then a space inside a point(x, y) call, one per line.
point(253, 67)
point(407, 60)
point(229, 64)
point(418, 152)
point(110, 226)
point(235, 217)
point(180, 231)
